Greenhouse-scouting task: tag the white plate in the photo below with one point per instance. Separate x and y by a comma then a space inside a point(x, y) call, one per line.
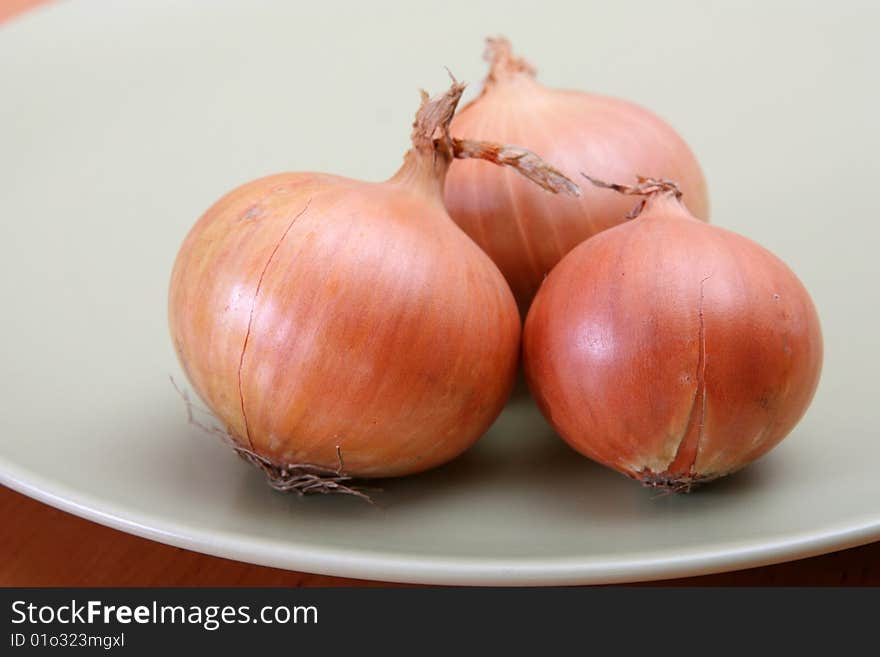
point(121, 122)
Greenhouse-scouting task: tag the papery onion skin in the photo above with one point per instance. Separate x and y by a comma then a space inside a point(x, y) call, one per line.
point(670, 350)
point(319, 316)
point(524, 231)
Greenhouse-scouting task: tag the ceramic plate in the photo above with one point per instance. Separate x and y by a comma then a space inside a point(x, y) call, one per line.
point(121, 122)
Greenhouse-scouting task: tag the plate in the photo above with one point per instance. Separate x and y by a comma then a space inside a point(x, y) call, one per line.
point(121, 122)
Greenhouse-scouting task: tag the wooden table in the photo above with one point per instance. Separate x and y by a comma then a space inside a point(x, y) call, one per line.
point(41, 546)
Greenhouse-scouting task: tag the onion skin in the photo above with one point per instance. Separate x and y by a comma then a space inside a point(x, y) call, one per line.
point(315, 313)
point(670, 350)
point(524, 231)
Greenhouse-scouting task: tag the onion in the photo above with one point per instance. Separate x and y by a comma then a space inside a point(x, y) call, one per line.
point(521, 229)
point(340, 328)
point(673, 351)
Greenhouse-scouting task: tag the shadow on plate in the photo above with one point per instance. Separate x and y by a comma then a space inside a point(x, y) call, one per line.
point(519, 461)
point(522, 456)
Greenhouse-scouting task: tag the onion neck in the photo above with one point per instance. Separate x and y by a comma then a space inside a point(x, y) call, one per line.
point(654, 192)
point(422, 171)
point(664, 203)
point(425, 164)
point(504, 66)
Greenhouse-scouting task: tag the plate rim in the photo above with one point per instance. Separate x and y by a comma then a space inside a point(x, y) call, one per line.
point(455, 571)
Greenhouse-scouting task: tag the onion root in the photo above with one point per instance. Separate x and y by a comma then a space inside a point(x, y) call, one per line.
point(300, 478)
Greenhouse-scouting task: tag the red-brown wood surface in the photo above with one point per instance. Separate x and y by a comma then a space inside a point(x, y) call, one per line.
point(42, 546)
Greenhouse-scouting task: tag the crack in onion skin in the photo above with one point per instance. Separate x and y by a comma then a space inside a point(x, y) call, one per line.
point(320, 316)
point(525, 231)
point(671, 350)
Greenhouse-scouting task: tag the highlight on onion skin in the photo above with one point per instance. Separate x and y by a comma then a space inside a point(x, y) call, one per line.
point(525, 232)
point(671, 350)
point(336, 326)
